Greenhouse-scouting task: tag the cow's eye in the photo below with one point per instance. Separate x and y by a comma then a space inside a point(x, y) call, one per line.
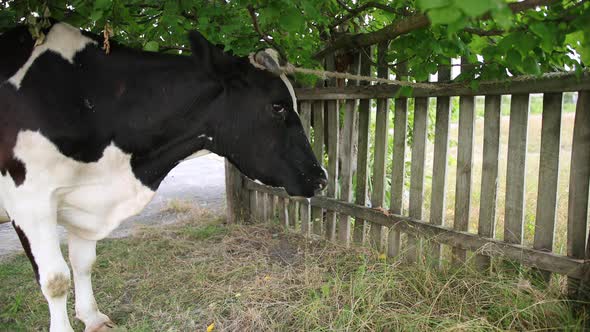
point(278, 108)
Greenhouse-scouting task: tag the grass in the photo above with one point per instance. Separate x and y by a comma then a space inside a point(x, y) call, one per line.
point(259, 278)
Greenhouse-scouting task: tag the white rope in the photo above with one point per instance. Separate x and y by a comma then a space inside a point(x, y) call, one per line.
point(290, 69)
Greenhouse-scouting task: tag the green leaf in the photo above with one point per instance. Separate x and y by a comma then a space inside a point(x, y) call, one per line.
point(292, 20)
point(503, 17)
point(444, 15)
point(514, 58)
point(100, 8)
point(478, 43)
point(547, 33)
point(475, 8)
point(430, 4)
point(531, 66)
point(151, 46)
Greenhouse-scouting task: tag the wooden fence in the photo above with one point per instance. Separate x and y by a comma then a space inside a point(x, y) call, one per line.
point(344, 215)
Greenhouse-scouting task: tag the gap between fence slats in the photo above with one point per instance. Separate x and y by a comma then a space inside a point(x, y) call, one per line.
point(489, 174)
point(548, 175)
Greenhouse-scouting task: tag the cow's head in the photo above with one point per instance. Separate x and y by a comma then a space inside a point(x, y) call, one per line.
point(254, 121)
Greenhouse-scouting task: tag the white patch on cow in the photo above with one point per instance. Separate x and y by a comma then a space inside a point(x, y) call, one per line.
point(325, 171)
point(62, 39)
point(3, 214)
point(197, 154)
point(291, 91)
point(275, 56)
point(82, 256)
point(89, 199)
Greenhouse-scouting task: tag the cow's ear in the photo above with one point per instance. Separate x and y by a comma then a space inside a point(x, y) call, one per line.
point(207, 53)
point(268, 60)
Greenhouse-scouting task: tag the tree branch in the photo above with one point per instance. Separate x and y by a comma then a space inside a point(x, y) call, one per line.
point(408, 25)
point(353, 12)
point(262, 35)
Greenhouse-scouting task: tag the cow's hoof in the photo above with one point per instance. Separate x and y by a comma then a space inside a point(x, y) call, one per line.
point(107, 326)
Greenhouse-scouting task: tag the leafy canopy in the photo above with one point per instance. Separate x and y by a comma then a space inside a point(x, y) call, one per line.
point(494, 36)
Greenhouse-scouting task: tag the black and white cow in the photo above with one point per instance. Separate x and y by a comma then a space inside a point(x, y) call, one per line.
point(86, 138)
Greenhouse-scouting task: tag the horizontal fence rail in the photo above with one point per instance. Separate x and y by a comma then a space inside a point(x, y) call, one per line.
point(375, 143)
point(541, 259)
point(544, 84)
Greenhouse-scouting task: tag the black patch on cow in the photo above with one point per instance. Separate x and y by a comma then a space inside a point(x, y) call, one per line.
point(15, 56)
point(160, 108)
point(27, 247)
point(17, 171)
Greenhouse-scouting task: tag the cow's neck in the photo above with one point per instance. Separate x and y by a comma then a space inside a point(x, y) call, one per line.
point(172, 122)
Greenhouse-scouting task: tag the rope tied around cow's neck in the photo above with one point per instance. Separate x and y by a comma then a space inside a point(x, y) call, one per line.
point(324, 74)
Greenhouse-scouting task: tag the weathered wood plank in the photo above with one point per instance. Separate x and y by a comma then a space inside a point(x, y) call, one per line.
point(305, 213)
point(438, 197)
point(333, 128)
point(292, 213)
point(346, 155)
point(362, 163)
point(333, 147)
point(398, 167)
point(515, 177)
point(548, 174)
point(473, 242)
point(263, 203)
point(380, 150)
point(282, 211)
point(464, 166)
point(417, 175)
point(546, 84)
point(305, 116)
point(318, 149)
point(489, 174)
point(254, 213)
point(577, 219)
point(238, 198)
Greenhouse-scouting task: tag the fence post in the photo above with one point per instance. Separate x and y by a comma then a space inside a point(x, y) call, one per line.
point(380, 149)
point(577, 219)
point(237, 196)
point(438, 196)
point(362, 163)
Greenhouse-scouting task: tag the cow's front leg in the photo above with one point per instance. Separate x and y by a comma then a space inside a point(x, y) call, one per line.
point(82, 257)
point(39, 237)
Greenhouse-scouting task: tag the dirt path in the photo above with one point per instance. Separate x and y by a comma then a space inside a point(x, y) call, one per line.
point(198, 180)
